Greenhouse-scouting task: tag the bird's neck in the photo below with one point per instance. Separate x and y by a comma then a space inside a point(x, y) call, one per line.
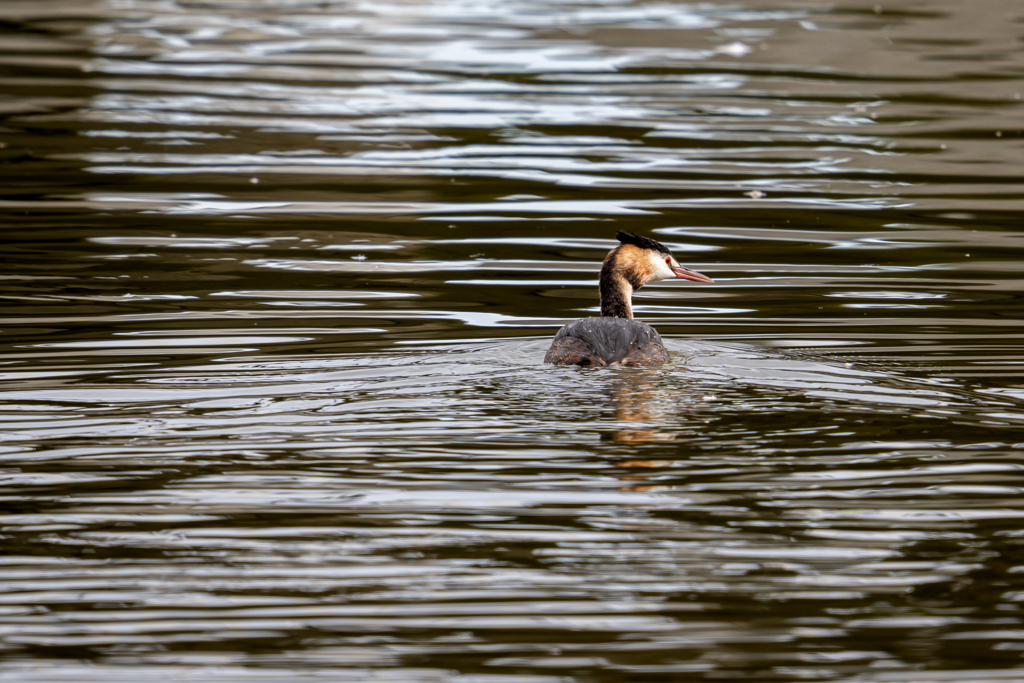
point(619, 280)
point(616, 298)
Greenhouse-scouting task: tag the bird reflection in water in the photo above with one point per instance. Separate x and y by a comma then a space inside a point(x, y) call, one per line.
point(646, 406)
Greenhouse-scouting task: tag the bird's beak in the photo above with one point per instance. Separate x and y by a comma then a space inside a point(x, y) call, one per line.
point(692, 275)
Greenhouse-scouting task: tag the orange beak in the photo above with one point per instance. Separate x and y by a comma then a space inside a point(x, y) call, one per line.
point(691, 275)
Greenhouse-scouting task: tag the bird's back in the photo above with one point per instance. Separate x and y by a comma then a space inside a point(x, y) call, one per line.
point(607, 341)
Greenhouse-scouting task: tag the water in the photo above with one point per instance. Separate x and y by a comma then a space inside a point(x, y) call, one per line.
point(279, 276)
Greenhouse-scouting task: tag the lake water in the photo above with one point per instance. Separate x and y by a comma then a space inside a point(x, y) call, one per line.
point(279, 276)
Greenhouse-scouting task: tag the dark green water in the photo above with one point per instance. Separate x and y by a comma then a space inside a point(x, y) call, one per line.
point(278, 278)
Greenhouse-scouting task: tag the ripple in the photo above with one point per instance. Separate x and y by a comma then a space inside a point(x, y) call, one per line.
point(280, 277)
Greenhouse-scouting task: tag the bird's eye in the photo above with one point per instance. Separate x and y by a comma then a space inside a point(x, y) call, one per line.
point(668, 262)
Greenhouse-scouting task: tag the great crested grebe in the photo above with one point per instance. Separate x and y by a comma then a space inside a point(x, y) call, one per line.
point(615, 338)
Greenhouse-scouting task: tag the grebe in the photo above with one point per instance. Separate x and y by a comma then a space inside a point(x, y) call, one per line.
point(615, 338)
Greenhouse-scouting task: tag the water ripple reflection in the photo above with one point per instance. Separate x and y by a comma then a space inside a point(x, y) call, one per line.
point(279, 276)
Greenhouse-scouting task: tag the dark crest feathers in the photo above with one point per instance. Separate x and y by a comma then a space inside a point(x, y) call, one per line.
point(642, 242)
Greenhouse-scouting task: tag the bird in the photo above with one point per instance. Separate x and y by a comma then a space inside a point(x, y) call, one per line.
point(616, 338)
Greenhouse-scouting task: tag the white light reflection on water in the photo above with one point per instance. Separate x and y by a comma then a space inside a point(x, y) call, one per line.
point(278, 278)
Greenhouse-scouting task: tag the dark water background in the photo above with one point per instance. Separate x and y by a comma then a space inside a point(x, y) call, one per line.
point(278, 277)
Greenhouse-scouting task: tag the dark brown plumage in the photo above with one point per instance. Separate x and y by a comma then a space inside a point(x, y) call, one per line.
point(642, 242)
point(607, 341)
point(615, 338)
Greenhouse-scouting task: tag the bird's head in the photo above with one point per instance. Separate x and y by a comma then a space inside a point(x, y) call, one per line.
point(642, 260)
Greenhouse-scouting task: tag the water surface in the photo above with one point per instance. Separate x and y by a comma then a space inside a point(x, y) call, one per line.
point(279, 276)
